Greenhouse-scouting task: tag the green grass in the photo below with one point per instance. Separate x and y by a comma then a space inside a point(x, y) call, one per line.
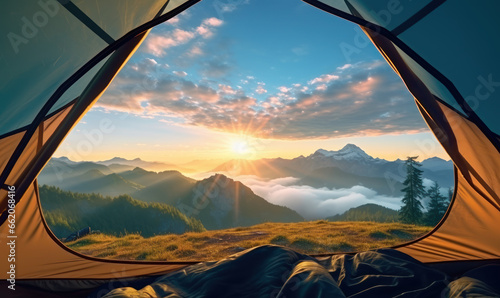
point(314, 237)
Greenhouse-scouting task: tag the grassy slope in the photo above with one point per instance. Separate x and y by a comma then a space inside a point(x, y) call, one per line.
point(306, 237)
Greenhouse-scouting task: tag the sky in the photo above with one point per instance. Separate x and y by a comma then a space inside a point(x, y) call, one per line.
point(252, 79)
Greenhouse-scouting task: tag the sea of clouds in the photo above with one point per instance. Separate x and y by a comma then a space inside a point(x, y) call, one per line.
point(313, 203)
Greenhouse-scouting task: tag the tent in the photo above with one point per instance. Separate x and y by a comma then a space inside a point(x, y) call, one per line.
point(58, 57)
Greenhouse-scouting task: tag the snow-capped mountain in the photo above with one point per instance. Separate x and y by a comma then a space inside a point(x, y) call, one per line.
point(349, 152)
point(353, 160)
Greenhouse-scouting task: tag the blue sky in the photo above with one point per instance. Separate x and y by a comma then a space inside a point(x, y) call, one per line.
point(252, 79)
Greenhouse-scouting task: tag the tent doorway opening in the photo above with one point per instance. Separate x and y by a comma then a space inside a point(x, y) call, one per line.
point(208, 143)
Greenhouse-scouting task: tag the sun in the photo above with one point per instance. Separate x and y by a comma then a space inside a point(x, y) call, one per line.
point(240, 147)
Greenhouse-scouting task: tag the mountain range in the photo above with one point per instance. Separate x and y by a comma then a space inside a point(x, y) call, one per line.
point(218, 202)
point(128, 164)
point(221, 202)
point(344, 168)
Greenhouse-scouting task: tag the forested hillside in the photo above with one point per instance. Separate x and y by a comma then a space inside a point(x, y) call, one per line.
point(367, 212)
point(66, 212)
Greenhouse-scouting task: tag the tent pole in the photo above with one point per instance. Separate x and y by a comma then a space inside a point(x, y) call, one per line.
point(88, 97)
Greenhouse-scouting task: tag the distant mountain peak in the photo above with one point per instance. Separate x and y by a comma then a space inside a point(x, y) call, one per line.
point(350, 146)
point(65, 159)
point(348, 152)
point(116, 158)
point(436, 164)
point(139, 170)
point(435, 158)
point(217, 176)
point(121, 159)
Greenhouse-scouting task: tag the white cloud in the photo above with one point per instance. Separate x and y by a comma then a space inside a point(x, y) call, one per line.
point(151, 61)
point(182, 36)
point(283, 89)
point(157, 44)
point(345, 66)
point(321, 87)
point(214, 22)
point(173, 21)
point(195, 51)
point(204, 31)
point(180, 73)
point(227, 89)
point(260, 90)
point(326, 78)
point(205, 28)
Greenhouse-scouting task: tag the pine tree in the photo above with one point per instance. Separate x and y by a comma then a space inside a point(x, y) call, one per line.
point(414, 190)
point(437, 206)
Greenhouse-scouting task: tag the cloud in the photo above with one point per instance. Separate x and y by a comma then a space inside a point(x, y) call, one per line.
point(213, 22)
point(364, 99)
point(326, 78)
point(284, 89)
point(180, 73)
point(260, 90)
point(321, 87)
point(222, 7)
point(195, 51)
point(157, 44)
point(173, 21)
point(204, 31)
point(345, 66)
point(226, 89)
point(315, 203)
